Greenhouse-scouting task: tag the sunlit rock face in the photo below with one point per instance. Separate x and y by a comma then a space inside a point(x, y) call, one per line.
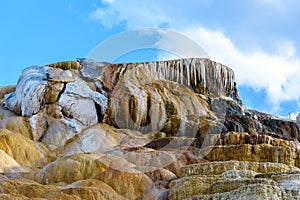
point(155, 130)
point(166, 96)
point(59, 91)
point(203, 76)
point(215, 180)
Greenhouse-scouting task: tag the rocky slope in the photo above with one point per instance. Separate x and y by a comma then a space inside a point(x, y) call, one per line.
point(158, 130)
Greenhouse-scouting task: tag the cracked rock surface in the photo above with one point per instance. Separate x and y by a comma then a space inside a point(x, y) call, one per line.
point(155, 130)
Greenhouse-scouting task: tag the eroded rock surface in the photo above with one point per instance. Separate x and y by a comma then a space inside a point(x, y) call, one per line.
point(60, 87)
point(298, 118)
point(208, 181)
point(157, 130)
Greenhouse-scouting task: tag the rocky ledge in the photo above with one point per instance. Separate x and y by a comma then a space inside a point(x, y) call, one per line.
point(156, 130)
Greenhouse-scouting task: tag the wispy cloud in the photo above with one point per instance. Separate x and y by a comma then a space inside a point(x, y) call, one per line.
point(108, 16)
point(277, 73)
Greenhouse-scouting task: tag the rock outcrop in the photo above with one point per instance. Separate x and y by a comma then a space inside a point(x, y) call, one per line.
point(234, 180)
point(156, 130)
point(60, 90)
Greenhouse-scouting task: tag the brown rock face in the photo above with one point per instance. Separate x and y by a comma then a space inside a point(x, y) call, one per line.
point(129, 184)
point(165, 95)
point(215, 181)
point(156, 130)
point(6, 90)
point(20, 148)
point(78, 167)
point(15, 123)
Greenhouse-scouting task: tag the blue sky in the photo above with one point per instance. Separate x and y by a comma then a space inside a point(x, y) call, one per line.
point(259, 39)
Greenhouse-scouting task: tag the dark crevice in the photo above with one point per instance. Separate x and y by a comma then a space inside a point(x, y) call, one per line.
point(62, 91)
point(99, 112)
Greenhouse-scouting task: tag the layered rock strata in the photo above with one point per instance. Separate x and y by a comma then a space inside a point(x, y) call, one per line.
point(156, 130)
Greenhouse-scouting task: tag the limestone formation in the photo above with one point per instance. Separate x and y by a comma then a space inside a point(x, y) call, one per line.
point(175, 129)
point(103, 138)
point(131, 184)
point(78, 167)
point(8, 164)
point(66, 65)
point(91, 69)
point(77, 104)
point(23, 150)
point(39, 87)
point(4, 90)
point(17, 124)
point(33, 89)
point(207, 181)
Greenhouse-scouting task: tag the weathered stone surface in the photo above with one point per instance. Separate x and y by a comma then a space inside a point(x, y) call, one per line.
point(31, 92)
point(204, 75)
point(72, 168)
point(91, 183)
point(257, 192)
point(253, 192)
point(6, 90)
point(191, 186)
point(159, 174)
point(167, 143)
point(132, 131)
point(42, 86)
point(78, 105)
point(275, 126)
point(253, 153)
point(16, 188)
point(20, 148)
point(12, 197)
point(222, 180)
point(15, 123)
point(130, 184)
point(234, 174)
point(145, 156)
point(288, 181)
point(88, 189)
point(8, 164)
point(239, 138)
point(85, 193)
point(66, 65)
point(229, 185)
point(50, 130)
point(59, 195)
point(160, 93)
point(298, 118)
point(103, 138)
point(153, 160)
point(156, 106)
point(91, 69)
point(217, 168)
point(25, 188)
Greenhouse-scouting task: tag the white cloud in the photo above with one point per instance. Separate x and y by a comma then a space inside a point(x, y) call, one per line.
point(133, 13)
point(107, 16)
point(147, 13)
point(108, 1)
point(277, 73)
point(293, 116)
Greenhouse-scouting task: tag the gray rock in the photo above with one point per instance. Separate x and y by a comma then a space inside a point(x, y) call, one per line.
point(91, 69)
point(39, 86)
point(33, 89)
point(78, 105)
